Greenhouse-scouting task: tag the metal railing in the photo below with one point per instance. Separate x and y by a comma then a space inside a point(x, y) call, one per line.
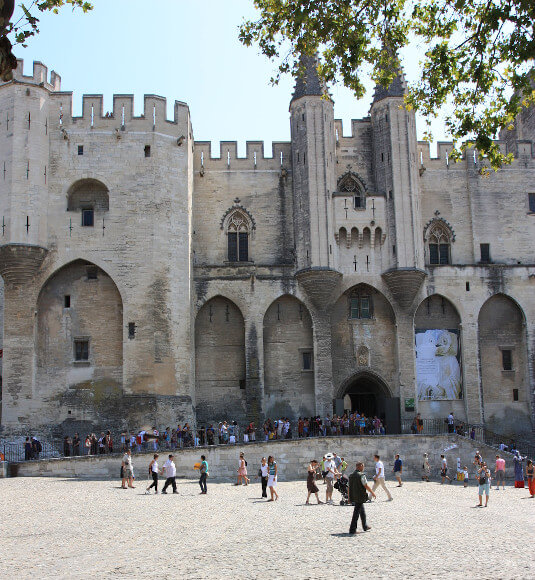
point(15, 452)
point(477, 433)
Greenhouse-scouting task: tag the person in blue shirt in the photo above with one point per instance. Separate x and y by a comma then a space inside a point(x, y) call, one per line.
point(204, 474)
point(398, 468)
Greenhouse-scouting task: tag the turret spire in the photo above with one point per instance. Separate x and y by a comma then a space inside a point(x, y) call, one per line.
point(308, 81)
point(397, 88)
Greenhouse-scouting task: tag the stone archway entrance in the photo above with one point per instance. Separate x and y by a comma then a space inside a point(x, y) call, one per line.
point(368, 394)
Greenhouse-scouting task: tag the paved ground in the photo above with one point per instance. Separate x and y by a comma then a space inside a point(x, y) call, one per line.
point(93, 529)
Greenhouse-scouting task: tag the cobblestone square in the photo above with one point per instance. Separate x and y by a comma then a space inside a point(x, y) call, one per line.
point(93, 529)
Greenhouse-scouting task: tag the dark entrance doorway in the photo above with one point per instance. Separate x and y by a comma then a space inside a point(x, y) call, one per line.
point(363, 403)
point(364, 394)
point(369, 395)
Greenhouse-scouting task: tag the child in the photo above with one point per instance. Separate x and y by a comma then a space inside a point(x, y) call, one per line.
point(465, 473)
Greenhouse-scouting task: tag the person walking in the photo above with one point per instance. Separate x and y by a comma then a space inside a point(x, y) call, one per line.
point(398, 468)
point(272, 478)
point(426, 468)
point(264, 474)
point(444, 469)
point(358, 486)
point(499, 472)
point(330, 475)
point(153, 472)
point(204, 475)
point(484, 484)
point(530, 472)
point(379, 477)
point(311, 482)
point(128, 470)
point(242, 471)
point(169, 468)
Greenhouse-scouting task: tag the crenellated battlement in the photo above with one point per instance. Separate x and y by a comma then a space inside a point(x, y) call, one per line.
point(38, 77)
point(526, 151)
point(255, 158)
point(121, 117)
point(357, 127)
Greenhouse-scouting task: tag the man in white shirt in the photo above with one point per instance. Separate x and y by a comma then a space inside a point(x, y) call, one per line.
point(379, 477)
point(451, 423)
point(330, 473)
point(169, 468)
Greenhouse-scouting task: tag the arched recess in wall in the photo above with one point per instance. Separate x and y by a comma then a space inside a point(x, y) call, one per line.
point(288, 359)
point(219, 362)
point(437, 328)
point(363, 329)
point(90, 198)
point(80, 343)
point(503, 358)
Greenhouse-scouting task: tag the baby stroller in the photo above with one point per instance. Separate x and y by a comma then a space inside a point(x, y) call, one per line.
point(342, 486)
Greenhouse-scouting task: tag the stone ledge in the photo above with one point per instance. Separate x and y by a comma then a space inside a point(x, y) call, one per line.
point(404, 284)
point(319, 285)
point(20, 262)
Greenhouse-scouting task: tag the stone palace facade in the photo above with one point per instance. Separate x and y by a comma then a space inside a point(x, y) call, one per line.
point(148, 281)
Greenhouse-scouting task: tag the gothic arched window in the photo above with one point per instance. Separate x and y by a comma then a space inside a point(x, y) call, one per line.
point(238, 238)
point(348, 184)
point(439, 240)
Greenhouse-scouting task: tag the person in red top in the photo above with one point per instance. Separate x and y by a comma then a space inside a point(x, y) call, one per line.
point(500, 472)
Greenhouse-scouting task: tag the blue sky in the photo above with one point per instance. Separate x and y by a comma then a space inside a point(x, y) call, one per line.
point(186, 50)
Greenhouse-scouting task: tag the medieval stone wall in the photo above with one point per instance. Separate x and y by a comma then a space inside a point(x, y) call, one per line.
point(196, 332)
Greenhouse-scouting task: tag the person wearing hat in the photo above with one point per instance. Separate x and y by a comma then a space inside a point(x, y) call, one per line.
point(330, 474)
point(169, 468)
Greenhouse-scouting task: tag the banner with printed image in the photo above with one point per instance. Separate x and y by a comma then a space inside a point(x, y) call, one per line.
point(438, 365)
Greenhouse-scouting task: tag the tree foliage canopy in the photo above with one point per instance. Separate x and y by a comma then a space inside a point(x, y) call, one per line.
point(25, 27)
point(477, 55)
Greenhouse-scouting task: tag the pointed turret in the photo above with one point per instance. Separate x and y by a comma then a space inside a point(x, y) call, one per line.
point(313, 165)
point(308, 82)
point(398, 88)
point(396, 177)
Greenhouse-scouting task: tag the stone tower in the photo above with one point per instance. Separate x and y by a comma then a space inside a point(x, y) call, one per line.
point(396, 177)
point(314, 180)
point(26, 170)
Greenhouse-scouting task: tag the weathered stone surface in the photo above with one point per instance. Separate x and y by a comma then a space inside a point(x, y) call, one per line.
point(293, 457)
point(404, 284)
point(319, 285)
point(20, 262)
point(325, 216)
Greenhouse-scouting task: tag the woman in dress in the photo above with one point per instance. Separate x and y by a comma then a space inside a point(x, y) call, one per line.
point(530, 472)
point(519, 470)
point(272, 478)
point(242, 470)
point(311, 481)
